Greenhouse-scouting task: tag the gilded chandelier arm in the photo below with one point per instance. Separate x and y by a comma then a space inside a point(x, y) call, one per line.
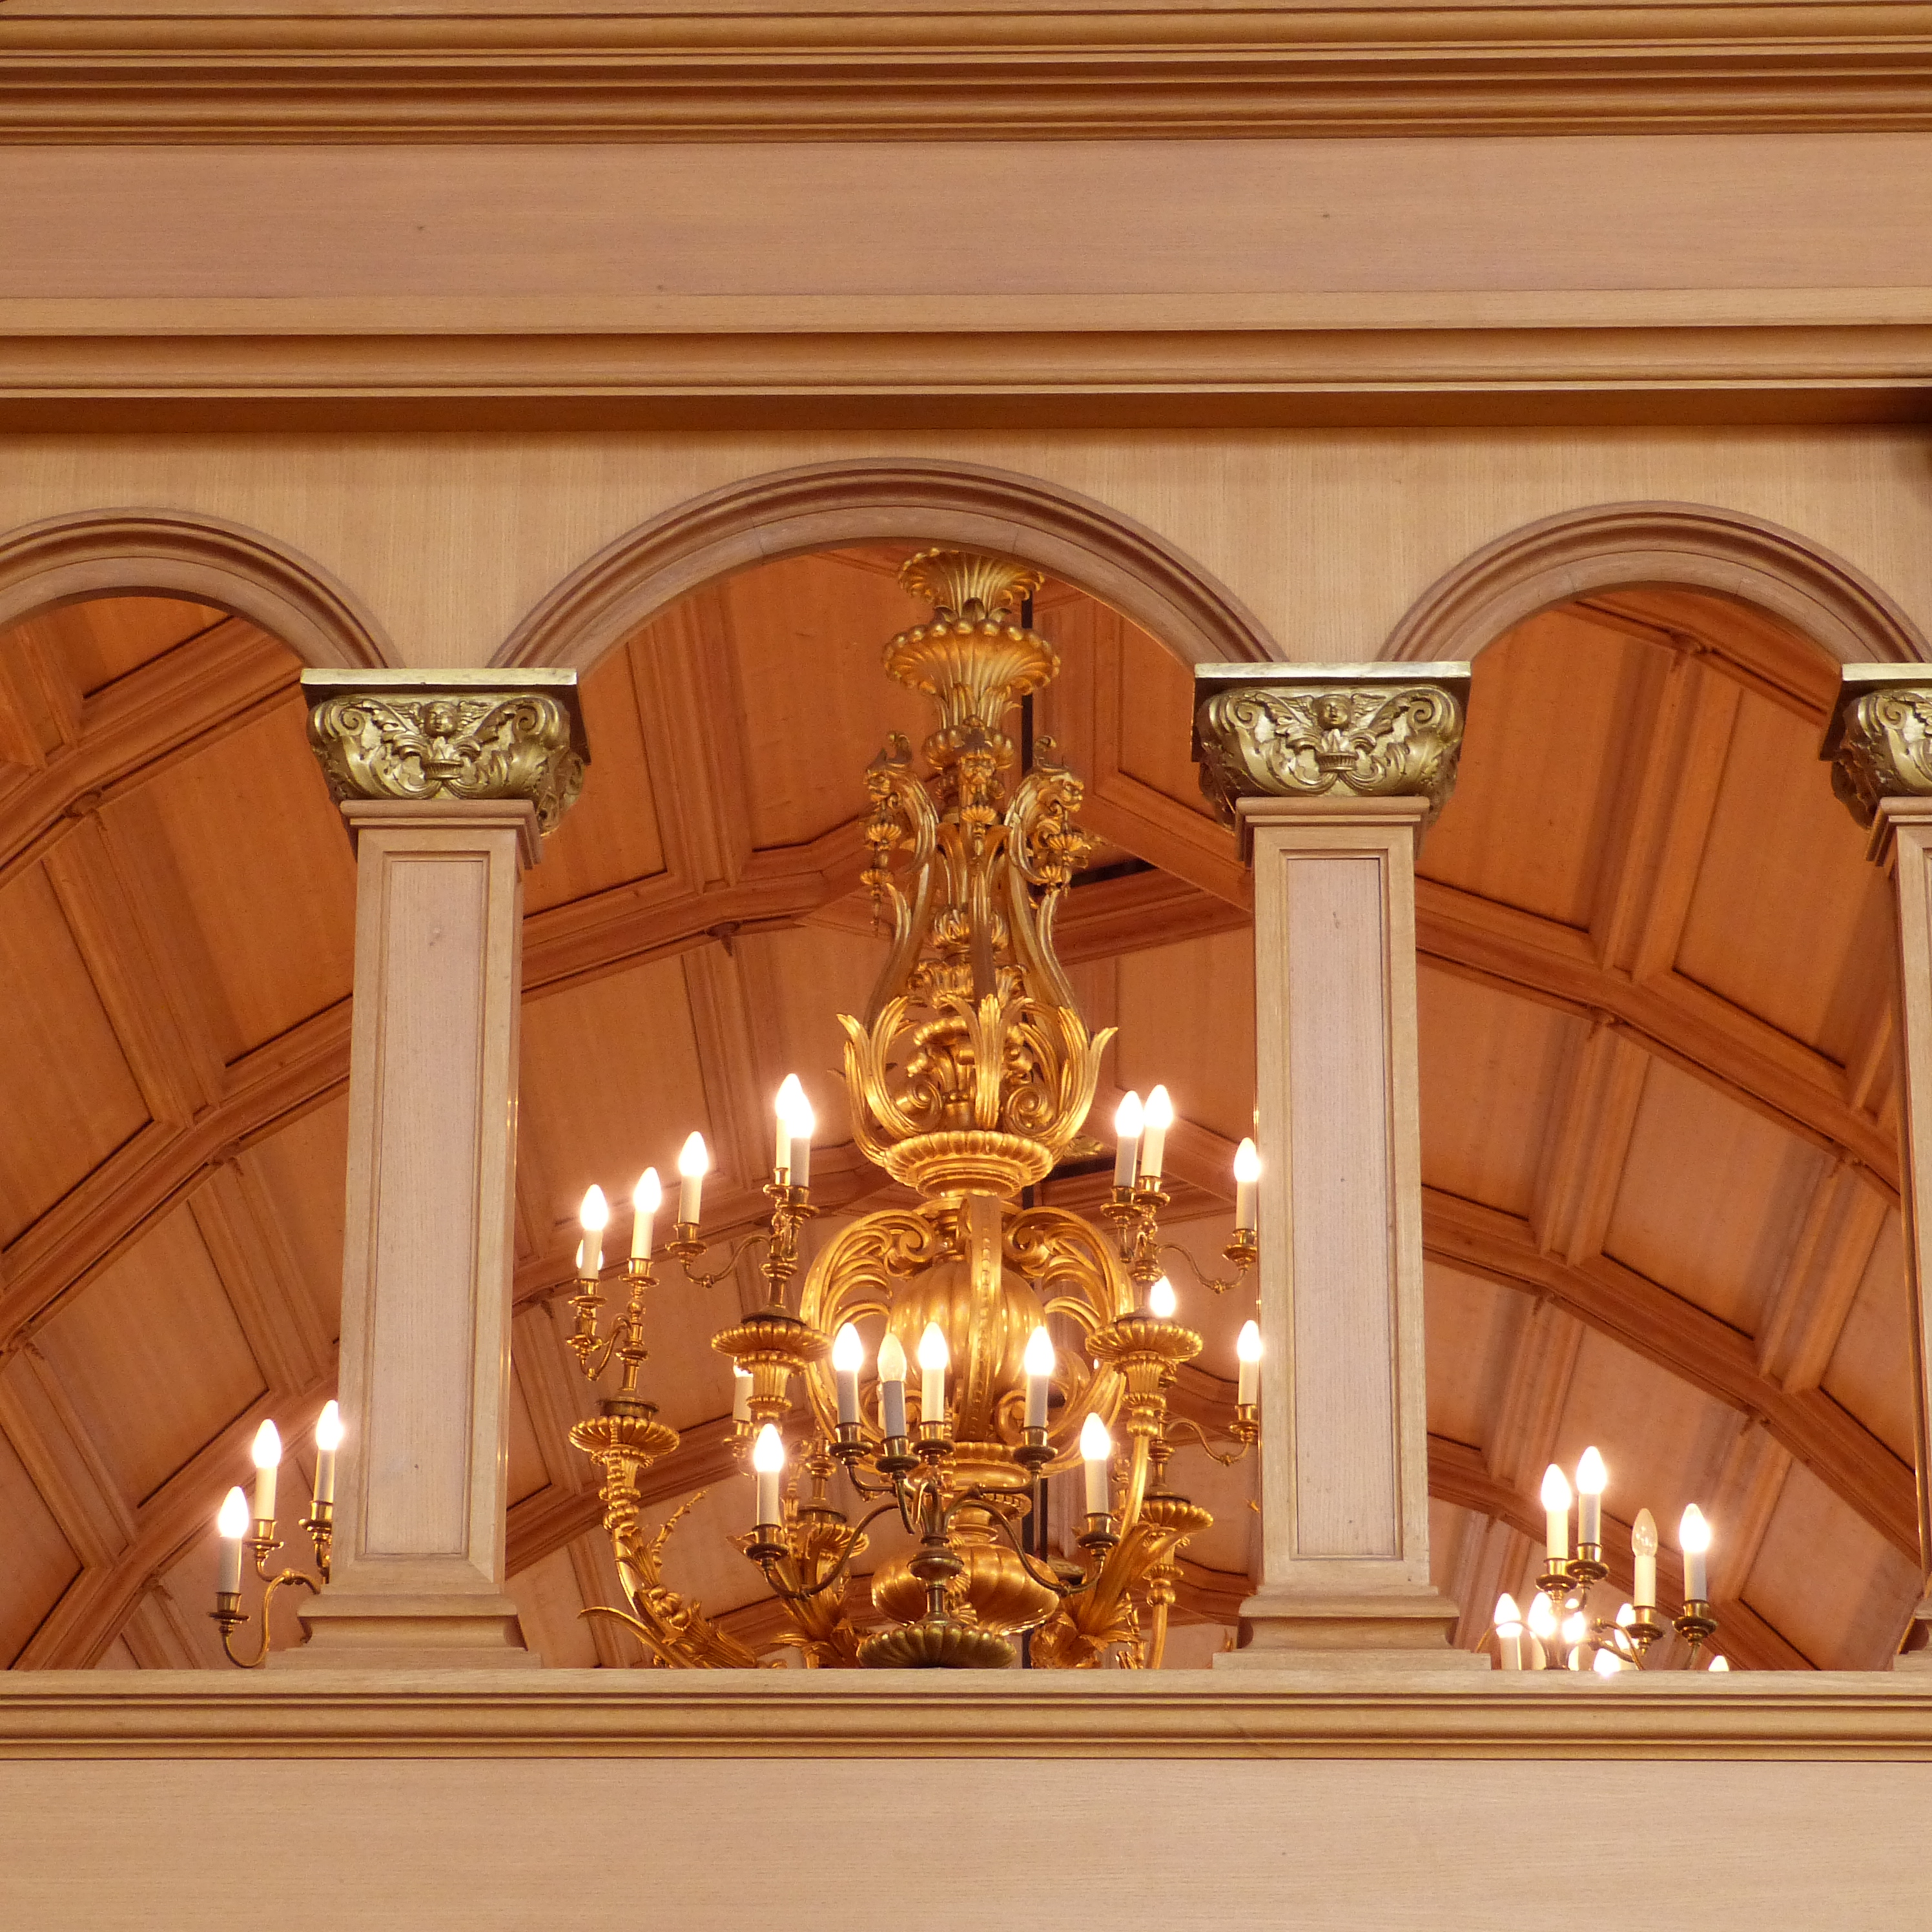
point(1181, 1424)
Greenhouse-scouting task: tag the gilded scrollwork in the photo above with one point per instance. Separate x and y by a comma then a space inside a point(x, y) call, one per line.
point(1884, 748)
point(450, 744)
point(1367, 740)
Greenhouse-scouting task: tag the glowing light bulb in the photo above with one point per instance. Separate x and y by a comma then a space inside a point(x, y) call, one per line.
point(694, 1163)
point(1039, 1364)
point(768, 1459)
point(1247, 1177)
point(1626, 1616)
point(1607, 1664)
point(1160, 1117)
point(232, 1518)
point(231, 1525)
point(1542, 1617)
point(1097, 1450)
point(1720, 1663)
point(1556, 1515)
point(267, 1454)
point(891, 1360)
point(1643, 1547)
point(595, 1215)
point(1576, 1627)
point(1592, 1477)
point(1248, 1359)
point(646, 1197)
point(848, 1352)
point(795, 1121)
point(327, 1440)
point(1694, 1538)
point(1509, 1633)
point(935, 1357)
point(1162, 1301)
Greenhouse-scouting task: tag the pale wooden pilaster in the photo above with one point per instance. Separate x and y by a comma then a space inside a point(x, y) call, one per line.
point(1331, 773)
point(1879, 741)
point(447, 789)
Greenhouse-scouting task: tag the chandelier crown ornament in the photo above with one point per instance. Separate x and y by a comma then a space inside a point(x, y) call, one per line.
point(969, 1077)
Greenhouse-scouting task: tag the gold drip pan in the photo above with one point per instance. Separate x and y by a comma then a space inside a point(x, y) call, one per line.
point(935, 1643)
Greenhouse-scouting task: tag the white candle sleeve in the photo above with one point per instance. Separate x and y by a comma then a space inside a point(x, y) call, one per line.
point(325, 1475)
point(265, 1494)
point(1509, 1644)
point(1099, 1499)
point(768, 1496)
point(1036, 1408)
point(228, 1582)
point(892, 1405)
point(931, 1397)
point(690, 1199)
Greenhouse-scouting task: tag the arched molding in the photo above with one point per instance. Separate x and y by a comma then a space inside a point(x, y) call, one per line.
point(1684, 546)
point(67, 558)
point(824, 506)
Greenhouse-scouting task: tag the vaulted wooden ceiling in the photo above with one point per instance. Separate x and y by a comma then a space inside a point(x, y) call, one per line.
point(1660, 1129)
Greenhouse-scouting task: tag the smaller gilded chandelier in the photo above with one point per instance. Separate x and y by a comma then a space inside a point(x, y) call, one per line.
point(1559, 1631)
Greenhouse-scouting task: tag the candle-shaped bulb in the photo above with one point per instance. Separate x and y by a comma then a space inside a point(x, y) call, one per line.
point(1606, 1663)
point(1129, 1122)
point(231, 1524)
point(1509, 1633)
point(1097, 1450)
point(595, 1215)
point(1576, 1627)
point(1247, 1178)
point(1626, 1616)
point(1592, 1479)
point(892, 1385)
point(1162, 1301)
point(848, 1357)
point(646, 1199)
point(1720, 1663)
point(1160, 1117)
point(1542, 1617)
point(934, 1357)
point(1643, 1550)
point(694, 1163)
point(1694, 1538)
point(768, 1460)
point(267, 1454)
point(1248, 1355)
point(796, 1122)
point(327, 1440)
point(1039, 1364)
point(1556, 1513)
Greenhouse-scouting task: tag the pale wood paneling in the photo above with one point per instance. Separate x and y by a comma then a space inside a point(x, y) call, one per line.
point(149, 1409)
point(1867, 1368)
point(40, 1562)
point(302, 1168)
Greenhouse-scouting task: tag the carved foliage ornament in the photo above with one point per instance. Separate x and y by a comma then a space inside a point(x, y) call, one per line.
point(1365, 741)
point(1884, 749)
point(467, 745)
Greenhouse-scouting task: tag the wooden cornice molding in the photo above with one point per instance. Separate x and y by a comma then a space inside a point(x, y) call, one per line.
point(1871, 1715)
point(1055, 71)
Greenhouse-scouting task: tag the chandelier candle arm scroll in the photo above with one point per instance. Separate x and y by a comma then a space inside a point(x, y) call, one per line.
point(969, 1077)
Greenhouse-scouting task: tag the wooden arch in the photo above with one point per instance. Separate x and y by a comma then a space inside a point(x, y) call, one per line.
point(1683, 546)
point(206, 559)
point(826, 505)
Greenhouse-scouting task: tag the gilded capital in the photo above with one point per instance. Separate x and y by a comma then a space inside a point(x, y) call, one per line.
point(1879, 738)
point(1380, 730)
point(466, 734)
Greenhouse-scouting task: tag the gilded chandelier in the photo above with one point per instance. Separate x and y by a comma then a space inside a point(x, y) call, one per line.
point(969, 1076)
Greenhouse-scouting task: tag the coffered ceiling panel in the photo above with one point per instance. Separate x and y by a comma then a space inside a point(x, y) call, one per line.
point(70, 1093)
point(1711, 1197)
point(1474, 1330)
point(1869, 1372)
point(610, 835)
point(1492, 1068)
point(302, 1169)
point(1843, 1611)
point(1187, 1021)
point(1554, 710)
point(1789, 918)
point(260, 919)
point(107, 637)
point(40, 1562)
point(149, 1409)
point(611, 1084)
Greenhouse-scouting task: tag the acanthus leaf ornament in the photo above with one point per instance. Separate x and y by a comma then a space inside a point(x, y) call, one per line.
point(1312, 731)
point(412, 736)
point(1879, 739)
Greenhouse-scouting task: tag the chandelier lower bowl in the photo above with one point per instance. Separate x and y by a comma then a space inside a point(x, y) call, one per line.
point(935, 1643)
